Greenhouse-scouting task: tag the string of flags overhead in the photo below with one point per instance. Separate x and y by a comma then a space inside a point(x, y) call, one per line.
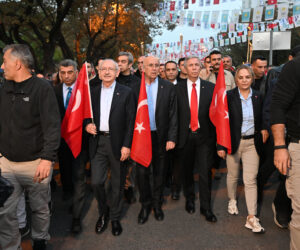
point(232, 25)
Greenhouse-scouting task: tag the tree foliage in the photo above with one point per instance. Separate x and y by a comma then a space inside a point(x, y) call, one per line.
point(77, 29)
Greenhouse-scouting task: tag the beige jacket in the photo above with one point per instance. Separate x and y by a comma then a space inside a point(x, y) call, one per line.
point(229, 79)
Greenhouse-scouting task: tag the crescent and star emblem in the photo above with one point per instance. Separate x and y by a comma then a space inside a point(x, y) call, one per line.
point(139, 127)
point(77, 101)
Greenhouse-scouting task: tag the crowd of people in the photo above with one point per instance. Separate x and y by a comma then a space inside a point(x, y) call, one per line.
point(264, 118)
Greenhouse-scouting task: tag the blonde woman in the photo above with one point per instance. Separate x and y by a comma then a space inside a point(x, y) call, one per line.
point(247, 136)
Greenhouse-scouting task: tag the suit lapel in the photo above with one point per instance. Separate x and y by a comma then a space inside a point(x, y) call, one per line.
point(61, 97)
point(238, 104)
point(97, 104)
point(202, 99)
point(185, 95)
point(255, 105)
point(115, 99)
point(160, 89)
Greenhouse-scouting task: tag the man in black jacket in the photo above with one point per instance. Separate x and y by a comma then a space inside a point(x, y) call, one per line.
point(197, 137)
point(29, 140)
point(162, 106)
point(285, 116)
point(125, 61)
point(72, 170)
point(109, 143)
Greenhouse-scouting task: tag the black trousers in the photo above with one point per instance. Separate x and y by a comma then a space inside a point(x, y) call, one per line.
point(152, 197)
point(266, 169)
point(197, 153)
point(66, 162)
point(79, 182)
point(102, 161)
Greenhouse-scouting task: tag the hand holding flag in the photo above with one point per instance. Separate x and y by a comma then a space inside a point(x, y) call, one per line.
point(218, 111)
point(79, 108)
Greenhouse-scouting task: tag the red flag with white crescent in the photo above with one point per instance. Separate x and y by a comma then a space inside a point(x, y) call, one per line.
point(218, 111)
point(141, 149)
point(79, 108)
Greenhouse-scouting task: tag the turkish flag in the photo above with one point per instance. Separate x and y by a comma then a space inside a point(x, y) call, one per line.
point(141, 148)
point(218, 111)
point(216, 1)
point(172, 5)
point(270, 2)
point(79, 108)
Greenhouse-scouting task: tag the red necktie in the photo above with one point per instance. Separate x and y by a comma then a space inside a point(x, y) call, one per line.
point(194, 109)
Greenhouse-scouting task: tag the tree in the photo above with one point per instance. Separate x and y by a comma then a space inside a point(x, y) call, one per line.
point(76, 29)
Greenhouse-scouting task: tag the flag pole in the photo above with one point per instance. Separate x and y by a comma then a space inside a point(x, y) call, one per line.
point(90, 102)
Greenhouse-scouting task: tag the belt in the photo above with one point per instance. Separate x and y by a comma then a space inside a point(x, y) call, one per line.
point(247, 137)
point(293, 139)
point(195, 132)
point(104, 133)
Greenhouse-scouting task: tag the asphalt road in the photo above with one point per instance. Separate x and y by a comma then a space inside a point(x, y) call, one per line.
point(179, 230)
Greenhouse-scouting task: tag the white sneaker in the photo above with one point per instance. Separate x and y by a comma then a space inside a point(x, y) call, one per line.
point(232, 208)
point(253, 224)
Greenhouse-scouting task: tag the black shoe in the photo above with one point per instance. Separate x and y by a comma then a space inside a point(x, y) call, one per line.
point(190, 206)
point(129, 195)
point(116, 228)
point(39, 245)
point(158, 214)
point(24, 231)
point(67, 196)
point(144, 214)
point(280, 222)
point(101, 224)
point(208, 214)
point(175, 195)
point(76, 226)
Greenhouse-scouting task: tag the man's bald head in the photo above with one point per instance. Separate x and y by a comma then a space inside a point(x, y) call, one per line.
point(151, 68)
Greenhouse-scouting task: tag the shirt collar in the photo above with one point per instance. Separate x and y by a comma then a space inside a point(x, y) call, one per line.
point(249, 96)
point(112, 86)
point(65, 86)
point(153, 83)
point(189, 82)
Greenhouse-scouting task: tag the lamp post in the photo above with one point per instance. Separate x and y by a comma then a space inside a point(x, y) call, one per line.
point(181, 42)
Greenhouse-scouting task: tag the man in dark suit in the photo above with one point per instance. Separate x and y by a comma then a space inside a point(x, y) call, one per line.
point(162, 106)
point(112, 130)
point(72, 170)
point(196, 140)
point(125, 61)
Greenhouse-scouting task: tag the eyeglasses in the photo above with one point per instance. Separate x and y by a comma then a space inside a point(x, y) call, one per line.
point(107, 69)
point(152, 65)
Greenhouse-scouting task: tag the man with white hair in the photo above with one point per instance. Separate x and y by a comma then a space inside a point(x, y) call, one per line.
point(112, 131)
point(196, 136)
point(162, 108)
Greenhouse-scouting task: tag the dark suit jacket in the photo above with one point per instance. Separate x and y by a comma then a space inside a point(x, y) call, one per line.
point(58, 89)
point(166, 112)
point(121, 119)
point(236, 118)
point(207, 129)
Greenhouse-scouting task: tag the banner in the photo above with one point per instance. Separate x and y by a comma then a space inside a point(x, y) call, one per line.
point(269, 12)
point(224, 16)
point(214, 16)
point(257, 14)
point(296, 9)
point(205, 17)
point(246, 15)
point(283, 10)
point(235, 14)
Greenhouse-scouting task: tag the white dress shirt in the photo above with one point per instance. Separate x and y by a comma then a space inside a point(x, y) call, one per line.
point(105, 105)
point(65, 91)
point(190, 88)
